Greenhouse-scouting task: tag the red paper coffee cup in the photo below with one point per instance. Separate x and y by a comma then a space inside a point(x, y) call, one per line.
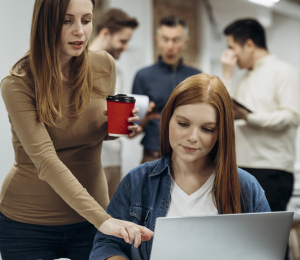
point(119, 109)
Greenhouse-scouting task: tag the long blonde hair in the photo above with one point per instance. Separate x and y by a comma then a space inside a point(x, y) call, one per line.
point(210, 89)
point(41, 64)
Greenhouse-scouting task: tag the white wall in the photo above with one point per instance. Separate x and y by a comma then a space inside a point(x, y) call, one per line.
point(15, 20)
point(284, 38)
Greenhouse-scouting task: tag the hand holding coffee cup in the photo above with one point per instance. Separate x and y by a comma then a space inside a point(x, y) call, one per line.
point(120, 109)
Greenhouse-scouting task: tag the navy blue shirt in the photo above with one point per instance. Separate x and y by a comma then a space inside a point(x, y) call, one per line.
point(145, 194)
point(158, 82)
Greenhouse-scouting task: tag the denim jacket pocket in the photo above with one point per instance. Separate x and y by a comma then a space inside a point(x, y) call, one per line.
point(141, 213)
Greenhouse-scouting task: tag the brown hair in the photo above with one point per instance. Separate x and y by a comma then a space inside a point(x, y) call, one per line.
point(173, 21)
point(41, 63)
point(210, 89)
point(115, 20)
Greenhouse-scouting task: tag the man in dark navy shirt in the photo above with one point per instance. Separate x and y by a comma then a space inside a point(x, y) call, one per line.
point(159, 80)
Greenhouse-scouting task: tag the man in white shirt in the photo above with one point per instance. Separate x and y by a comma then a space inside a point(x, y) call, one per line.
point(114, 30)
point(265, 137)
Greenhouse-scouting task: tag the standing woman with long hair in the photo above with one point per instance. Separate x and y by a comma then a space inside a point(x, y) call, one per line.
point(53, 200)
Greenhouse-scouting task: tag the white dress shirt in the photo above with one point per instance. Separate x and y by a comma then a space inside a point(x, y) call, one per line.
point(272, 92)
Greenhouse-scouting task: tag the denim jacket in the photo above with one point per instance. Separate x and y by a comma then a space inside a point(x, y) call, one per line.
point(144, 195)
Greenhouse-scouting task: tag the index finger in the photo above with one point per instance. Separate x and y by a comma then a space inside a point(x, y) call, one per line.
point(145, 238)
point(145, 231)
point(133, 119)
point(135, 110)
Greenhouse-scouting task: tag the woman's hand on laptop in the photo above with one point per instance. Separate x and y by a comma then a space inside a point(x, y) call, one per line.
point(127, 230)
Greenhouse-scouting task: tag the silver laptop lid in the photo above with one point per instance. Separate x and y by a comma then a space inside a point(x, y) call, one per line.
point(259, 236)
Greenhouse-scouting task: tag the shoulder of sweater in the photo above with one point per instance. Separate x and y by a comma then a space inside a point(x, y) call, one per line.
point(10, 83)
point(281, 65)
point(101, 59)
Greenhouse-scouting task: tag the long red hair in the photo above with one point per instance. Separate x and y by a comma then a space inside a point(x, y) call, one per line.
point(210, 89)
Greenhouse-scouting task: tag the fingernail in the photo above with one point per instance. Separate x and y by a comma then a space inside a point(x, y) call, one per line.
point(130, 127)
point(127, 240)
point(130, 120)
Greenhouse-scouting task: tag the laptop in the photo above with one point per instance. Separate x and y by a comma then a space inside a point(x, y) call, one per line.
point(259, 236)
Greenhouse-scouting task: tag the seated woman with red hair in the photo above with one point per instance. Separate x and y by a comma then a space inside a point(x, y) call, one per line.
point(197, 174)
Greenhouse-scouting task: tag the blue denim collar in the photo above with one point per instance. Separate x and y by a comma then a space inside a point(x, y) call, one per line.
point(140, 199)
point(161, 165)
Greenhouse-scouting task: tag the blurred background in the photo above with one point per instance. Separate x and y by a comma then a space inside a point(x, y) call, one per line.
point(206, 20)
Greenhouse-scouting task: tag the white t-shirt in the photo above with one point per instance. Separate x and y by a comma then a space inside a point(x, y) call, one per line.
point(199, 203)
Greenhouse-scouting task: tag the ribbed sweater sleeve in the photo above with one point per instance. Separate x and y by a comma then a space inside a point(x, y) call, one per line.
point(20, 103)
